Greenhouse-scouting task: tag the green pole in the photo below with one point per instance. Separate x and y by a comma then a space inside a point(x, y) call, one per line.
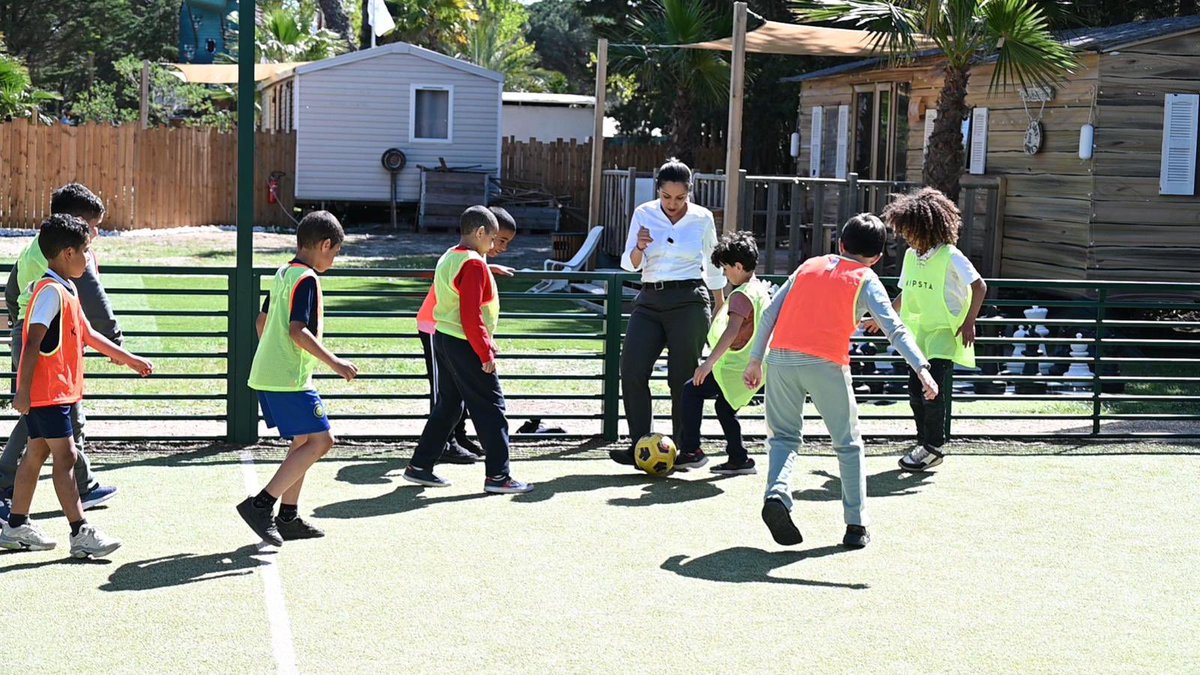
point(612, 357)
point(243, 418)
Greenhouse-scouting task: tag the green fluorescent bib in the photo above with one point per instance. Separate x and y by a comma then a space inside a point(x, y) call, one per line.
point(448, 310)
point(729, 368)
point(31, 266)
point(279, 363)
point(923, 308)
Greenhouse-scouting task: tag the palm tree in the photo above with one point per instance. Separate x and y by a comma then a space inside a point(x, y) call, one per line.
point(18, 97)
point(287, 37)
point(495, 40)
point(1015, 32)
point(694, 77)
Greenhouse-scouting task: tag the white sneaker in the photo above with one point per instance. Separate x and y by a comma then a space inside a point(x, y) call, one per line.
point(921, 458)
point(91, 541)
point(28, 537)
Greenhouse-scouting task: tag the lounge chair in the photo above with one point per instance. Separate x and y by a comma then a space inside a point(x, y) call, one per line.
point(575, 264)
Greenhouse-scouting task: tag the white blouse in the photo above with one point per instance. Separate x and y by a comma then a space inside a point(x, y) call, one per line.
point(680, 251)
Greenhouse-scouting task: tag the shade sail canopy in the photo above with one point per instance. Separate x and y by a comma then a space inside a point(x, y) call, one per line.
point(775, 37)
point(227, 73)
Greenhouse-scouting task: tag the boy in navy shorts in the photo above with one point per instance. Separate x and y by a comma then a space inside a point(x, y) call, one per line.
point(289, 348)
point(50, 383)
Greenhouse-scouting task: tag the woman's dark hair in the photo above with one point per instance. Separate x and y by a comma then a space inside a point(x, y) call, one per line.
point(925, 218)
point(318, 226)
point(61, 231)
point(76, 200)
point(864, 235)
point(673, 171)
point(736, 247)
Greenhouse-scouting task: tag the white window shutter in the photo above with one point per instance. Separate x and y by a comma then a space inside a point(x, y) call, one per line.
point(1181, 124)
point(814, 143)
point(843, 140)
point(979, 131)
point(930, 118)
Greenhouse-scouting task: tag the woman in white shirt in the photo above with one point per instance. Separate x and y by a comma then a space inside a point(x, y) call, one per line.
point(670, 242)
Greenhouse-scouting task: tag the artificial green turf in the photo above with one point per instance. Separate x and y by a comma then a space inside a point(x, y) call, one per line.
point(991, 564)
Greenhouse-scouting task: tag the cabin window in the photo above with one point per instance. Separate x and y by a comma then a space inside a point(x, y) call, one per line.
point(432, 113)
point(879, 129)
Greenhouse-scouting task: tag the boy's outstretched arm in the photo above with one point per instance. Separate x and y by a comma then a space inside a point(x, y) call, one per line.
point(762, 337)
point(305, 340)
point(260, 323)
point(874, 300)
point(731, 332)
point(113, 351)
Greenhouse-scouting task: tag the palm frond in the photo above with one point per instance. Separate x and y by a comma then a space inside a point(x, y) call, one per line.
point(893, 26)
point(1026, 51)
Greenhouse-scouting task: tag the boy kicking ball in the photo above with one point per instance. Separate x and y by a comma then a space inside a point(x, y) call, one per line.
point(50, 382)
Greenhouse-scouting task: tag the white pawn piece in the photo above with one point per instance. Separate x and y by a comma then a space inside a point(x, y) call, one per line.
point(1079, 370)
point(1018, 350)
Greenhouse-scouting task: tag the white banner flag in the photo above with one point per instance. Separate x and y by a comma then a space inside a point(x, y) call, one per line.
point(379, 17)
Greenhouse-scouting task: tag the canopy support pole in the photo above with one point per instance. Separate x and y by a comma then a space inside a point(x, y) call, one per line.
point(598, 133)
point(733, 148)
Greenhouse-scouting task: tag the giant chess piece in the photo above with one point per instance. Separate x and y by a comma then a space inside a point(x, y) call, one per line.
point(1017, 367)
point(1032, 387)
point(1079, 374)
point(1037, 313)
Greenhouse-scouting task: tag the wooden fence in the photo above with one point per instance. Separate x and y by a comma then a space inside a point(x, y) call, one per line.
point(148, 178)
point(565, 167)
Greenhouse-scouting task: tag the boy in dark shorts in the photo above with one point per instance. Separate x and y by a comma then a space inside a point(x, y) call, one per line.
point(50, 383)
point(289, 348)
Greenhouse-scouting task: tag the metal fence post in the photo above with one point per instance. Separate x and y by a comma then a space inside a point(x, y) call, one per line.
point(243, 429)
point(1097, 385)
point(612, 357)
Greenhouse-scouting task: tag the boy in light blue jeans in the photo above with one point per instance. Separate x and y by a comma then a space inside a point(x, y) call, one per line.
point(808, 327)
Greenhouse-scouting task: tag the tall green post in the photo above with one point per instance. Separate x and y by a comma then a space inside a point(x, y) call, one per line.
point(242, 409)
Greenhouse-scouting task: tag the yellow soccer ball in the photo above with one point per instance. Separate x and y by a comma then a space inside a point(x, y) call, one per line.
point(655, 454)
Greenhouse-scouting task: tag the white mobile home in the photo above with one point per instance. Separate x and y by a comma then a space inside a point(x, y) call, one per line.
point(346, 111)
point(548, 117)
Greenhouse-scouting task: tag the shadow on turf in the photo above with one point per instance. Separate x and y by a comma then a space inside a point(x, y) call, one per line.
point(894, 483)
point(407, 498)
point(742, 564)
point(69, 560)
point(186, 568)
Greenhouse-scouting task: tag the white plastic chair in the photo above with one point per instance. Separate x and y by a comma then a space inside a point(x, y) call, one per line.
point(575, 264)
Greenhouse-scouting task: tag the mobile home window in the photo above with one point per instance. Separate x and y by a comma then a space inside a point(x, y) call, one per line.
point(432, 113)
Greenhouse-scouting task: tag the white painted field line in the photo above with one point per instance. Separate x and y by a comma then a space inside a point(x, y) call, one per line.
point(281, 627)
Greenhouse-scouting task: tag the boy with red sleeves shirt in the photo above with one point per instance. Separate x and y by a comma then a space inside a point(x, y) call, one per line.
point(467, 312)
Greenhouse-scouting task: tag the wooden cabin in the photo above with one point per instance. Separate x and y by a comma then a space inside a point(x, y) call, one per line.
point(1130, 211)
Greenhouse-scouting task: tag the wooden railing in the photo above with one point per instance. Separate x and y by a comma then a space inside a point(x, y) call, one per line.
point(795, 217)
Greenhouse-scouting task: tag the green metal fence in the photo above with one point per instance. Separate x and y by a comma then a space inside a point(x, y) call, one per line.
point(560, 360)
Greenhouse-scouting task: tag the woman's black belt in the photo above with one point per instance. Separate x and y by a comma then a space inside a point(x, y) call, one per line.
point(681, 283)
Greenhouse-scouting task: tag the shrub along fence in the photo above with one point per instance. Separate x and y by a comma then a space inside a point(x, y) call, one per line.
point(1134, 370)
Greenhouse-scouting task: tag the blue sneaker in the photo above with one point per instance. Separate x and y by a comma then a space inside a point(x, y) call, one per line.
point(5, 509)
point(97, 496)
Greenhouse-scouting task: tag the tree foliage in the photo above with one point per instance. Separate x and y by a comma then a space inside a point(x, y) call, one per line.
point(496, 41)
point(565, 40)
point(19, 99)
point(172, 101)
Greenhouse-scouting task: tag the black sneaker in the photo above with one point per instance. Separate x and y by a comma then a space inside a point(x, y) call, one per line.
point(779, 521)
point(856, 537)
point(505, 485)
point(623, 457)
point(690, 460)
point(732, 468)
point(262, 521)
point(465, 443)
point(424, 477)
point(297, 528)
point(455, 454)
